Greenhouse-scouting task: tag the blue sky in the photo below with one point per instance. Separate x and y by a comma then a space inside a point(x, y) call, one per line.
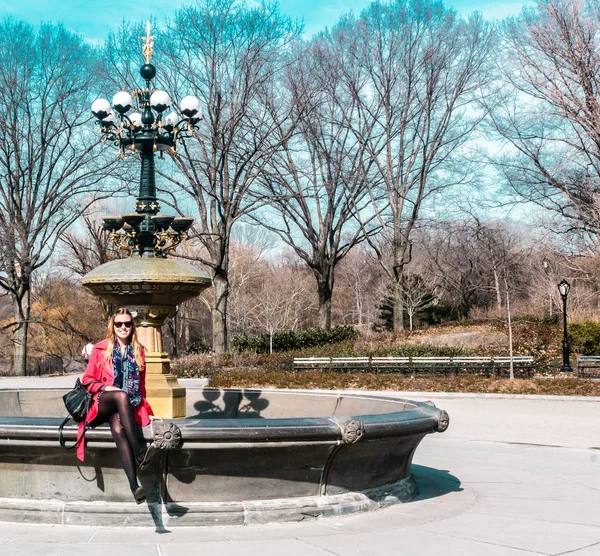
point(95, 19)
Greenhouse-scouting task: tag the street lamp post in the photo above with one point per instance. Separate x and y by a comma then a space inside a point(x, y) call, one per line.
point(136, 122)
point(563, 288)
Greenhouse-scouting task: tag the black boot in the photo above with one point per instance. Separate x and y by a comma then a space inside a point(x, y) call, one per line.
point(144, 457)
point(139, 493)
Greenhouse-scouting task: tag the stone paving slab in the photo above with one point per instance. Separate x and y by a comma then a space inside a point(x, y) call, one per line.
point(413, 543)
point(546, 537)
point(68, 549)
point(287, 547)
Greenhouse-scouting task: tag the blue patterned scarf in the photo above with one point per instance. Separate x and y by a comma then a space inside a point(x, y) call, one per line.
point(127, 374)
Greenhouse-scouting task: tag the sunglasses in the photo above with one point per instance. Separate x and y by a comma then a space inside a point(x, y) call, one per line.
point(126, 324)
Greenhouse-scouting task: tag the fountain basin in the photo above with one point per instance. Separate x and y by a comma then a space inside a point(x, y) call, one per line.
point(146, 281)
point(247, 456)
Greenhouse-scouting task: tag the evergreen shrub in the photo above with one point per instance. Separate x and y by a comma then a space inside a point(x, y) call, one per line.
point(584, 337)
point(289, 340)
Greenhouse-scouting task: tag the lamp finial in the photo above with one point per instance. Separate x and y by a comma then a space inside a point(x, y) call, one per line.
point(148, 48)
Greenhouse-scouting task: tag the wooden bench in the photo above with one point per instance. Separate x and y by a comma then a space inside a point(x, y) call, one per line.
point(588, 366)
point(390, 364)
point(521, 363)
point(431, 364)
point(332, 363)
point(311, 363)
point(350, 363)
point(487, 365)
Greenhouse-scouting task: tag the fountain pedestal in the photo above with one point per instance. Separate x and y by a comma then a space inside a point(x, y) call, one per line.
point(151, 288)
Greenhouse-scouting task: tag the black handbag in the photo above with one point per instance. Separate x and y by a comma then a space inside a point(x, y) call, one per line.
point(78, 402)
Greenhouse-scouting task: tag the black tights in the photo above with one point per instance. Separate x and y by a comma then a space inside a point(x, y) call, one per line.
point(114, 408)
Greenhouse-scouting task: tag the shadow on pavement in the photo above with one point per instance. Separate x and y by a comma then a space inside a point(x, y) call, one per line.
point(434, 482)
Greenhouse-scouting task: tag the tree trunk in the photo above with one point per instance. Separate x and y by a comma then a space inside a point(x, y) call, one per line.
point(325, 295)
point(21, 312)
point(510, 335)
point(359, 310)
point(186, 333)
point(398, 317)
point(219, 311)
point(175, 351)
point(498, 293)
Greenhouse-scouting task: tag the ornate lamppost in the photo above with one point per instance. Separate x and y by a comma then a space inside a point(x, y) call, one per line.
point(137, 123)
point(563, 288)
point(148, 282)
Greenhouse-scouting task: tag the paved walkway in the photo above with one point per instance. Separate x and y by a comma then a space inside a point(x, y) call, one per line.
point(514, 497)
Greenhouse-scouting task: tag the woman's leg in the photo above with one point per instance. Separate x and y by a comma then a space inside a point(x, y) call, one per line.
point(124, 450)
point(114, 408)
point(117, 401)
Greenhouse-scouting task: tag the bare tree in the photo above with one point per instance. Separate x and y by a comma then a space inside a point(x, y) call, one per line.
point(358, 288)
point(549, 112)
point(466, 261)
point(280, 302)
point(230, 56)
point(85, 250)
point(424, 68)
point(417, 296)
point(247, 275)
point(49, 166)
point(316, 182)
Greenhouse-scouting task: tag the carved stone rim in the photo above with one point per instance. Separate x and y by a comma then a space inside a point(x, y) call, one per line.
point(166, 435)
point(352, 431)
point(444, 421)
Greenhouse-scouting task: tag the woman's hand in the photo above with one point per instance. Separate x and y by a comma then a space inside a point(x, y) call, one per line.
point(155, 418)
point(110, 388)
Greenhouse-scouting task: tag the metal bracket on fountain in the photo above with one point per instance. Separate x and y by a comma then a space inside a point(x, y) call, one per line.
point(169, 232)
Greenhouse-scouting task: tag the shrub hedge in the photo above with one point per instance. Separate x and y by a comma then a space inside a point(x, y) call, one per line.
point(288, 340)
point(584, 337)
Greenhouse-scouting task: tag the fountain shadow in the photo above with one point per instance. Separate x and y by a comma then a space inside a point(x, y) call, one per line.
point(248, 403)
point(160, 504)
point(434, 482)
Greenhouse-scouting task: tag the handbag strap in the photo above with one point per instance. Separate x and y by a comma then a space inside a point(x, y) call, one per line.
point(61, 439)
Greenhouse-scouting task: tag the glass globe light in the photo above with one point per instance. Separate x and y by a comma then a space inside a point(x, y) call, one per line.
point(122, 102)
point(160, 101)
point(110, 118)
point(136, 120)
point(171, 120)
point(190, 107)
point(101, 108)
point(564, 288)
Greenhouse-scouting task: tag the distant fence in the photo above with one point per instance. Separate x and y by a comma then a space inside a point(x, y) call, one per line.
point(44, 365)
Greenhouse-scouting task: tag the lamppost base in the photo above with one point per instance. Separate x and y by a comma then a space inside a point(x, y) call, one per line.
point(566, 369)
point(164, 393)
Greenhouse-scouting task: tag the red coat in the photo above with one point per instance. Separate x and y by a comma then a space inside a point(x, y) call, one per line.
point(98, 371)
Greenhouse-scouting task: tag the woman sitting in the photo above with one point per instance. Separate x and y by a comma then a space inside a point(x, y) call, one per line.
point(116, 377)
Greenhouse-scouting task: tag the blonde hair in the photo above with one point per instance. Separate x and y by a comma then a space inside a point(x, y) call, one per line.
point(138, 348)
